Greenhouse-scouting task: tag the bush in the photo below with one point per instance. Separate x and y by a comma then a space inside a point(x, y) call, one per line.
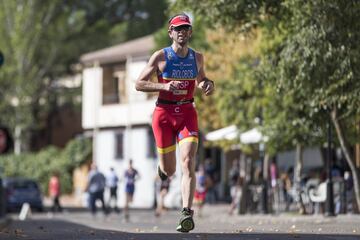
point(39, 166)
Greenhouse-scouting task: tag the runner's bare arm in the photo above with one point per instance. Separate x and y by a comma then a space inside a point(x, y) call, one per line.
point(145, 85)
point(204, 83)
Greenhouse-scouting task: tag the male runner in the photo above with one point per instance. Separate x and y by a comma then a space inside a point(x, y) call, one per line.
point(179, 70)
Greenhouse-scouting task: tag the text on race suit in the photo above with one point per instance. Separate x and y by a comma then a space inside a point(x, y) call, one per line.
point(182, 74)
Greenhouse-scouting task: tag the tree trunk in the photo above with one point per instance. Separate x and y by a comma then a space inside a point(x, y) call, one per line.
point(266, 167)
point(298, 164)
point(348, 156)
point(297, 177)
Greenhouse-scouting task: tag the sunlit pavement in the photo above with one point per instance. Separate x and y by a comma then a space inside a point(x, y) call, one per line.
point(214, 224)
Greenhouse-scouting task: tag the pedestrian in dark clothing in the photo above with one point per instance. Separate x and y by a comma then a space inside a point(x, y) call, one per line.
point(96, 187)
point(131, 175)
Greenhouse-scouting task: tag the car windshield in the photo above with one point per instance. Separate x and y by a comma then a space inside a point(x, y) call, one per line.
point(24, 185)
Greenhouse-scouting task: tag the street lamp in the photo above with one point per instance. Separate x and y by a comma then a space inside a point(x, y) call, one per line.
point(329, 204)
point(264, 192)
point(264, 177)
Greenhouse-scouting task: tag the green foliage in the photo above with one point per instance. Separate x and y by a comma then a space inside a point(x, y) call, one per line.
point(42, 42)
point(198, 39)
point(314, 61)
point(234, 15)
point(41, 165)
point(309, 64)
point(309, 68)
point(322, 54)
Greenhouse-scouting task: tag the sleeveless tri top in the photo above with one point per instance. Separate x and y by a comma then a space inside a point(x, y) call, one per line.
point(182, 69)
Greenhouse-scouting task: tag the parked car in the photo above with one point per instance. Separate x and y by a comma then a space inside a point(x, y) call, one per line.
point(22, 190)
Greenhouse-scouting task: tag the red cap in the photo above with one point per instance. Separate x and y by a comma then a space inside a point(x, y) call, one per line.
point(180, 20)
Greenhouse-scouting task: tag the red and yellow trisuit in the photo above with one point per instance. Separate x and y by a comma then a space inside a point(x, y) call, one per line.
point(175, 117)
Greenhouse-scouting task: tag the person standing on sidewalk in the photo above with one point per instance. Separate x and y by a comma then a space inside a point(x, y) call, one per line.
point(54, 192)
point(180, 70)
point(112, 181)
point(95, 188)
point(131, 175)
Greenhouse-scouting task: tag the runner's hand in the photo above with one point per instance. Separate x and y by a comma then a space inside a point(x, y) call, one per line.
point(172, 86)
point(208, 87)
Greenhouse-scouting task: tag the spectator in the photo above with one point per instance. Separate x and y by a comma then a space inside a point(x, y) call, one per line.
point(273, 174)
point(210, 171)
point(131, 175)
point(286, 188)
point(55, 191)
point(95, 188)
point(112, 181)
point(236, 192)
point(234, 173)
point(349, 186)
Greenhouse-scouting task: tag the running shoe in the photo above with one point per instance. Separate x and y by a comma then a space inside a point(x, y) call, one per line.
point(186, 222)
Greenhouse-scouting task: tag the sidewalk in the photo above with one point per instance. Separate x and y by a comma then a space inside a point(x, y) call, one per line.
point(67, 201)
point(4, 222)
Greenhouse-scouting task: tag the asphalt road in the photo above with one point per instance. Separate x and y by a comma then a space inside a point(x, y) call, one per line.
point(215, 224)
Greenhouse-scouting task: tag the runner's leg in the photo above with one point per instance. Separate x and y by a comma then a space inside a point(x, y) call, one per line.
point(165, 141)
point(167, 163)
point(187, 156)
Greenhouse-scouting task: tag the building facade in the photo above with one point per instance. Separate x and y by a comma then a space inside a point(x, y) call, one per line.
point(118, 118)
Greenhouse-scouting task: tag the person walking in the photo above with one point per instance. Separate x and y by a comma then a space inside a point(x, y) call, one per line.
point(95, 188)
point(131, 175)
point(112, 181)
point(234, 175)
point(180, 70)
point(236, 193)
point(55, 191)
point(211, 173)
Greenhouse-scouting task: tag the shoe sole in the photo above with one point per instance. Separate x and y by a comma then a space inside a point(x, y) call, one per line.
point(186, 225)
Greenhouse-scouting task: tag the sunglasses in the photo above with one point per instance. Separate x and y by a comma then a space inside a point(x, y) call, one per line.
point(181, 27)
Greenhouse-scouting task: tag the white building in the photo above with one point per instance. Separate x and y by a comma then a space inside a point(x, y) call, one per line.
point(118, 117)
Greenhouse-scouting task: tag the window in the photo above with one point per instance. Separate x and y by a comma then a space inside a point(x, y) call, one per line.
point(113, 86)
point(119, 145)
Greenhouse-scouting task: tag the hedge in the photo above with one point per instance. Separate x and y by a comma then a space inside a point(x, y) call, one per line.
point(39, 166)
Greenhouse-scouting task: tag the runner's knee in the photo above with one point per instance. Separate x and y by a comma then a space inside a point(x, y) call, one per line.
point(187, 164)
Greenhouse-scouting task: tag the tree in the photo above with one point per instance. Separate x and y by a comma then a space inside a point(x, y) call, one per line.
point(321, 57)
point(42, 42)
point(314, 53)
